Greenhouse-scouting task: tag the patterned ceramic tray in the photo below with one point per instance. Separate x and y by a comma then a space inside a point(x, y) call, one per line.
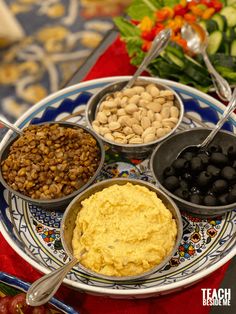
point(34, 233)
point(10, 286)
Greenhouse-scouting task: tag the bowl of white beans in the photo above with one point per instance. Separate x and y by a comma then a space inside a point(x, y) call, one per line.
point(134, 120)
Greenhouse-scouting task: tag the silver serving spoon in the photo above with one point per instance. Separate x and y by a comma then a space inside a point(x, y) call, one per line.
point(43, 289)
point(229, 109)
point(158, 45)
point(11, 126)
point(197, 41)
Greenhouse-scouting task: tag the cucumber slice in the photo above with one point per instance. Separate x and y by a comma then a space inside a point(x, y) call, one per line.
point(173, 58)
point(211, 26)
point(214, 42)
point(231, 2)
point(193, 60)
point(197, 73)
point(233, 49)
point(220, 20)
point(230, 14)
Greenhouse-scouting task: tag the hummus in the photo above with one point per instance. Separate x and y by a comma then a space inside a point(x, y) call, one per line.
point(125, 229)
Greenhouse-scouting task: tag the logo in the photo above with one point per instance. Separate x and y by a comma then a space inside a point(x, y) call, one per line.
point(216, 297)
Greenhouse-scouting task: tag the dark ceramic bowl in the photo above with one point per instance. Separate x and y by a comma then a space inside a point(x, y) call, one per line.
point(58, 203)
point(69, 220)
point(130, 150)
point(166, 153)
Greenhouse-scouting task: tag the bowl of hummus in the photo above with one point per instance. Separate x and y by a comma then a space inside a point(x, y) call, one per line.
point(126, 229)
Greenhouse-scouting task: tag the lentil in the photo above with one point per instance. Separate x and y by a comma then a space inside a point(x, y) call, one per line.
point(51, 161)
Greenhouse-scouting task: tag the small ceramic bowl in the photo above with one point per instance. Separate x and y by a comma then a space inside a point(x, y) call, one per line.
point(69, 220)
point(166, 153)
point(131, 150)
point(62, 202)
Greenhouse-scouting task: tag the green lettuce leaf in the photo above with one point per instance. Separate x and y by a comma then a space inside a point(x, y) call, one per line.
point(131, 35)
point(140, 8)
point(170, 3)
point(126, 28)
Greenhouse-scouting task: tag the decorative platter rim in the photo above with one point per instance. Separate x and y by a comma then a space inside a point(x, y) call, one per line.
point(65, 93)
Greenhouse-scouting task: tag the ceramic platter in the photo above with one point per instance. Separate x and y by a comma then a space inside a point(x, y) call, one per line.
point(35, 233)
point(10, 286)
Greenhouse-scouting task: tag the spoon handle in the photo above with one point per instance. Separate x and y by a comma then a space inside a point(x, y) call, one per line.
point(41, 291)
point(222, 87)
point(159, 43)
point(229, 109)
point(11, 126)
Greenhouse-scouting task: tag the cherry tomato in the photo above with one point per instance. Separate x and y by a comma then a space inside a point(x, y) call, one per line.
point(4, 304)
point(180, 10)
point(18, 305)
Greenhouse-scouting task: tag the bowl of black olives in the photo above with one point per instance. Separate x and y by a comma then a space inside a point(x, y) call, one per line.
point(202, 183)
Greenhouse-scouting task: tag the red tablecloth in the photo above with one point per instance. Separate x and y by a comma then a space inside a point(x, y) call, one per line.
point(116, 62)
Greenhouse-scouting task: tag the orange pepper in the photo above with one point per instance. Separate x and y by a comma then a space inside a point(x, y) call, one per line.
point(180, 41)
point(196, 11)
point(146, 24)
point(164, 14)
point(183, 3)
point(190, 18)
point(177, 23)
point(208, 13)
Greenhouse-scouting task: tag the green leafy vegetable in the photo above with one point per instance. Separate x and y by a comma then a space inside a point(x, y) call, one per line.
point(141, 8)
point(174, 63)
point(131, 36)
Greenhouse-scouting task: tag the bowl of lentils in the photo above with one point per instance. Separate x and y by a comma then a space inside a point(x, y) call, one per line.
point(132, 121)
point(50, 163)
point(202, 183)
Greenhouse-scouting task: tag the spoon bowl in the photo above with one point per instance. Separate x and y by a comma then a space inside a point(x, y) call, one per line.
point(197, 42)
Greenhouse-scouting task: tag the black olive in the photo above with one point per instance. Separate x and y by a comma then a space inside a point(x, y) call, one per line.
point(214, 148)
point(219, 186)
point(204, 179)
point(209, 192)
point(232, 196)
point(180, 164)
point(210, 200)
point(223, 199)
point(213, 170)
point(219, 159)
point(233, 186)
point(169, 171)
point(232, 152)
point(187, 176)
point(188, 155)
point(196, 164)
point(204, 157)
point(228, 173)
point(196, 199)
point(183, 184)
point(194, 190)
point(182, 193)
point(171, 183)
